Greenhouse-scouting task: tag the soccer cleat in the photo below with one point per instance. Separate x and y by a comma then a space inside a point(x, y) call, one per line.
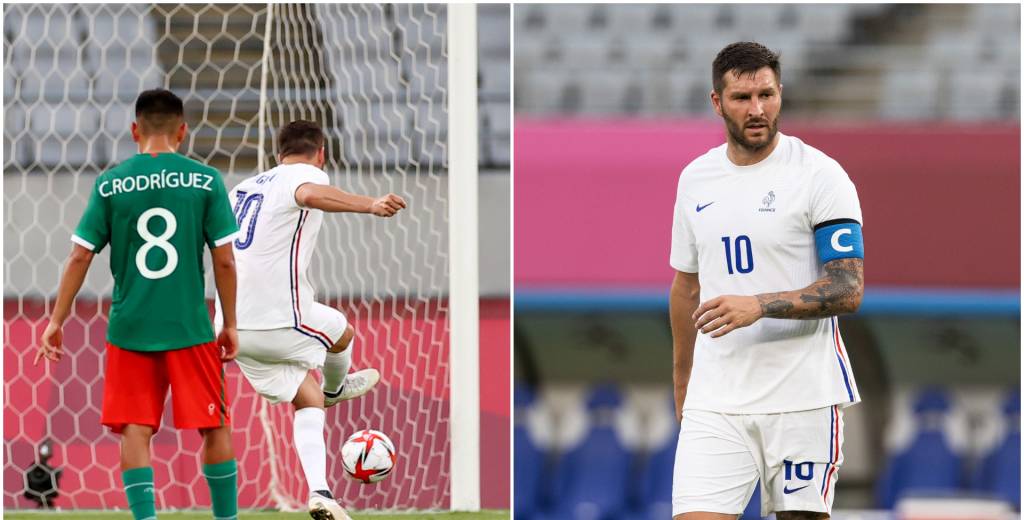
point(323, 507)
point(356, 384)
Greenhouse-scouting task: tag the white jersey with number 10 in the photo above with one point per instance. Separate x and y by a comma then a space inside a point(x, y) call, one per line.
point(274, 248)
point(747, 230)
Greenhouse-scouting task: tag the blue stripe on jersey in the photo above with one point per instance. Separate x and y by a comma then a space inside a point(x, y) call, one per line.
point(840, 240)
point(839, 356)
point(291, 269)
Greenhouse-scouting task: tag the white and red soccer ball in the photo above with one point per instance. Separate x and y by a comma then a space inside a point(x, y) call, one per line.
point(368, 456)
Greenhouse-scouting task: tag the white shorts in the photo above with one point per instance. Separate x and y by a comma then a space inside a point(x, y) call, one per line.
point(276, 361)
point(720, 458)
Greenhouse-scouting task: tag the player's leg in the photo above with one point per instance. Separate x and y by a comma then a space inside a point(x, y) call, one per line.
point(308, 433)
point(134, 389)
point(136, 471)
point(803, 461)
point(715, 470)
point(331, 327)
point(338, 362)
point(200, 401)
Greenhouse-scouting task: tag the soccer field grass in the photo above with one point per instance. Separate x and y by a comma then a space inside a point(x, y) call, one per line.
point(483, 515)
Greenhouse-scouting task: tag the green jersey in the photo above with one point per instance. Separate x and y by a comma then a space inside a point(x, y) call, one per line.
point(157, 211)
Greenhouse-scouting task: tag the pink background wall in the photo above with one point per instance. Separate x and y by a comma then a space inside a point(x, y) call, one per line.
point(594, 198)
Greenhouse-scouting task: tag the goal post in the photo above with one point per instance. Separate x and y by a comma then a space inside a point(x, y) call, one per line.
point(464, 345)
point(394, 87)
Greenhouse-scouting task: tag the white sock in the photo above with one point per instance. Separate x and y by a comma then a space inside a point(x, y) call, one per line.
point(308, 431)
point(336, 368)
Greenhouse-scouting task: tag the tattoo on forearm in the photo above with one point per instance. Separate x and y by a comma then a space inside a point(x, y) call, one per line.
point(838, 292)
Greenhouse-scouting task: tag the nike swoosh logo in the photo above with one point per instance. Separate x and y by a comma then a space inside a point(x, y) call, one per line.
point(699, 207)
point(787, 491)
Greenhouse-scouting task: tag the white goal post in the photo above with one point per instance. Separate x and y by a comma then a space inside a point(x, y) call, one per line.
point(464, 345)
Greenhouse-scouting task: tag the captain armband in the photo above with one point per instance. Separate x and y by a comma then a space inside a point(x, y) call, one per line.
point(840, 238)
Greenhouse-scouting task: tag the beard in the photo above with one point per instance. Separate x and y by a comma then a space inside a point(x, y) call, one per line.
point(736, 132)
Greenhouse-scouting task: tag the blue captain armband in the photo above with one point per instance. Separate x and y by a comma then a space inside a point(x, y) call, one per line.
point(840, 238)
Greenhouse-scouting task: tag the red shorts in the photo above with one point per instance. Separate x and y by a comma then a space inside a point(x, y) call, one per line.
point(136, 383)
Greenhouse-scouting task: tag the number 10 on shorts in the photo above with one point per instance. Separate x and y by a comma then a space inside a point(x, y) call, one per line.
point(804, 470)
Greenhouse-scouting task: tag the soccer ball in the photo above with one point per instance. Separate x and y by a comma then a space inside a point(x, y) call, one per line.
point(368, 456)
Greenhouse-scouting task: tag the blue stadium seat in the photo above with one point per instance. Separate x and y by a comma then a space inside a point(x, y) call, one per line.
point(653, 498)
point(999, 471)
point(928, 464)
point(593, 479)
point(753, 509)
point(529, 461)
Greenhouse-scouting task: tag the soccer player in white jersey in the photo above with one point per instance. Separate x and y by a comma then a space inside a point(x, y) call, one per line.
point(283, 334)
point(767, 248)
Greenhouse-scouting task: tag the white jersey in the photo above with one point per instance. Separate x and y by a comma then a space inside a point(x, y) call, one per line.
point(274, 248)
point(747, 230)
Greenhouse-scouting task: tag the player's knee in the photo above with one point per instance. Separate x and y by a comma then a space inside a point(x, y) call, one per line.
point(345, 341)
point(137, 432)
point(309, 394)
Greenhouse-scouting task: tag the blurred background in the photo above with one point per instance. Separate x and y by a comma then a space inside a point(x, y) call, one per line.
point(919, 103)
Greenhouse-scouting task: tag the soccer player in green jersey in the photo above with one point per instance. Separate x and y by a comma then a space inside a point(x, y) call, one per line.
point(158, 210)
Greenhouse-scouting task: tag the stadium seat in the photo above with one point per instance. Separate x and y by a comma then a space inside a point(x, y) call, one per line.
point(909, 94)
point(999, 471)
point(566, 19)
point(653, 497)
point(928, 464)
point(753, 509)
point(630, 19)
point(592, 479)
point(529, 464)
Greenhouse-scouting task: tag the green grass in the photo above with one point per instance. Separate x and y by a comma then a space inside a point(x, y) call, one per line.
point(95, 515)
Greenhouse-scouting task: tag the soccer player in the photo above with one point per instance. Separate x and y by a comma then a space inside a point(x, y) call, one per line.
point(157, 210)
point(283, 334)
point(767, 246)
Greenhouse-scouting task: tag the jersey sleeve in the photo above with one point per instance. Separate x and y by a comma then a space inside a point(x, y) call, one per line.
point(684, 246)
point(219, 225)
point(93, 231)
point(300, 177)
point(833, 196)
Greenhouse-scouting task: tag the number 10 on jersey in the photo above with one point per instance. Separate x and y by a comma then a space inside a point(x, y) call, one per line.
point(739, 255)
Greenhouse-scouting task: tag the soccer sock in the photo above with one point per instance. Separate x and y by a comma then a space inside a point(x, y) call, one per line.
point(223, 481)
point(308, 432)
point(138, 485)
point(336, 368)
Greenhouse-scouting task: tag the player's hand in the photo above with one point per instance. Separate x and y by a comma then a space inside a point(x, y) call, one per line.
point(51, 344)
point(387, 205)
point(724, 314)
point(228, 341)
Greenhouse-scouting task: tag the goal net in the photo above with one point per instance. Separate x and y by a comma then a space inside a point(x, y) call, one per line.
point(374, 76)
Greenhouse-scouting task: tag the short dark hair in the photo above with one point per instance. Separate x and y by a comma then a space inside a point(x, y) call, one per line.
point(300, 138)
point(159, 111)
point(744, 58)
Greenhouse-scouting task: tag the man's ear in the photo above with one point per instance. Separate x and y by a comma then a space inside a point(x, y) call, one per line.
point(181, 133)
point(716, 102)
point(321, 156)
point(135, 131)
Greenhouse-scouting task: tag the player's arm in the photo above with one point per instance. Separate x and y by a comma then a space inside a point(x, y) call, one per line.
point(51, 344)
point(334, 200)
point(225, 277)
point(683, 300)
point(839, 291)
